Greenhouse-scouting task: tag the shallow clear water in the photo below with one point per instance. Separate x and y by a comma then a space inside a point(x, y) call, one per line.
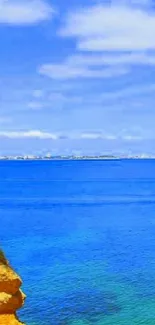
point(82, 236)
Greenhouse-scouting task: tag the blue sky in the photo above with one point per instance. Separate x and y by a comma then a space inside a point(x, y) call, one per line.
point(77, 76)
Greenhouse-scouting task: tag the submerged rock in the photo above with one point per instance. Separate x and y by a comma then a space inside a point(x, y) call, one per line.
point(11, 296)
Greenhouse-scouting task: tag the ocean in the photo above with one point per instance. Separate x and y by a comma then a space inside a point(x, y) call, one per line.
point(82, 236)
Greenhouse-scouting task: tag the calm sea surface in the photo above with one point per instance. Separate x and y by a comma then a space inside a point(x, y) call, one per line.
point(82, 236)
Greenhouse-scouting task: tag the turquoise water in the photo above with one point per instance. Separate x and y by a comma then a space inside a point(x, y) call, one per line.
point(82, 236)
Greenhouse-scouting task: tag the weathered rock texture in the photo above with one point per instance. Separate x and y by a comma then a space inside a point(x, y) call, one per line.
point(11, 297)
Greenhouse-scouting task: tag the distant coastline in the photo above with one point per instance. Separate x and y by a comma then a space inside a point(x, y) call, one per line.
point(59, 158)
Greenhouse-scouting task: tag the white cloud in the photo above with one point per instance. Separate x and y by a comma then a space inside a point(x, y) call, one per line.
point(117, 43)
point(38, 134)
point(54, 100)
point(128, 92)
point(60, 98)
point(132, 137)
point(5, 120)
point(113, 27)
point(112, 137)
point(97, 135)
point(38, 93)
point(121, 26)
point(138, 58)
point(91, 136)
point(24, 12)
point(35, 105)
point(28, 134)
point(70, 71)
point(96, 66)
point(137, 3)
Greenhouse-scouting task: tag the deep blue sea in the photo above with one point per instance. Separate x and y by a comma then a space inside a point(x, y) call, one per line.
point(82, 236)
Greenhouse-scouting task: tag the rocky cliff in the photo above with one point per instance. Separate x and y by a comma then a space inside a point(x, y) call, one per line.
point(11, 296)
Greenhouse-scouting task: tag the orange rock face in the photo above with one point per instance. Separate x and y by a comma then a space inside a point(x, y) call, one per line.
point(11, 297)
point(10, 282)
point(9, 320)
point(9, 304)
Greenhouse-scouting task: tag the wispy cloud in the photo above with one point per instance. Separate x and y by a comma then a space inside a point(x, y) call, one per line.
point(97, 135)
point(114, 59)
point(24, 12)
point(35, 105)
point(38, 93)
point(101, 64)
point(38, 134)
point(5, 120)
point(65, 70)
point(121, 32)
point(54, 101)
point(96, 66)
point(111, 27)
point(128, 93)
point(28, 134)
